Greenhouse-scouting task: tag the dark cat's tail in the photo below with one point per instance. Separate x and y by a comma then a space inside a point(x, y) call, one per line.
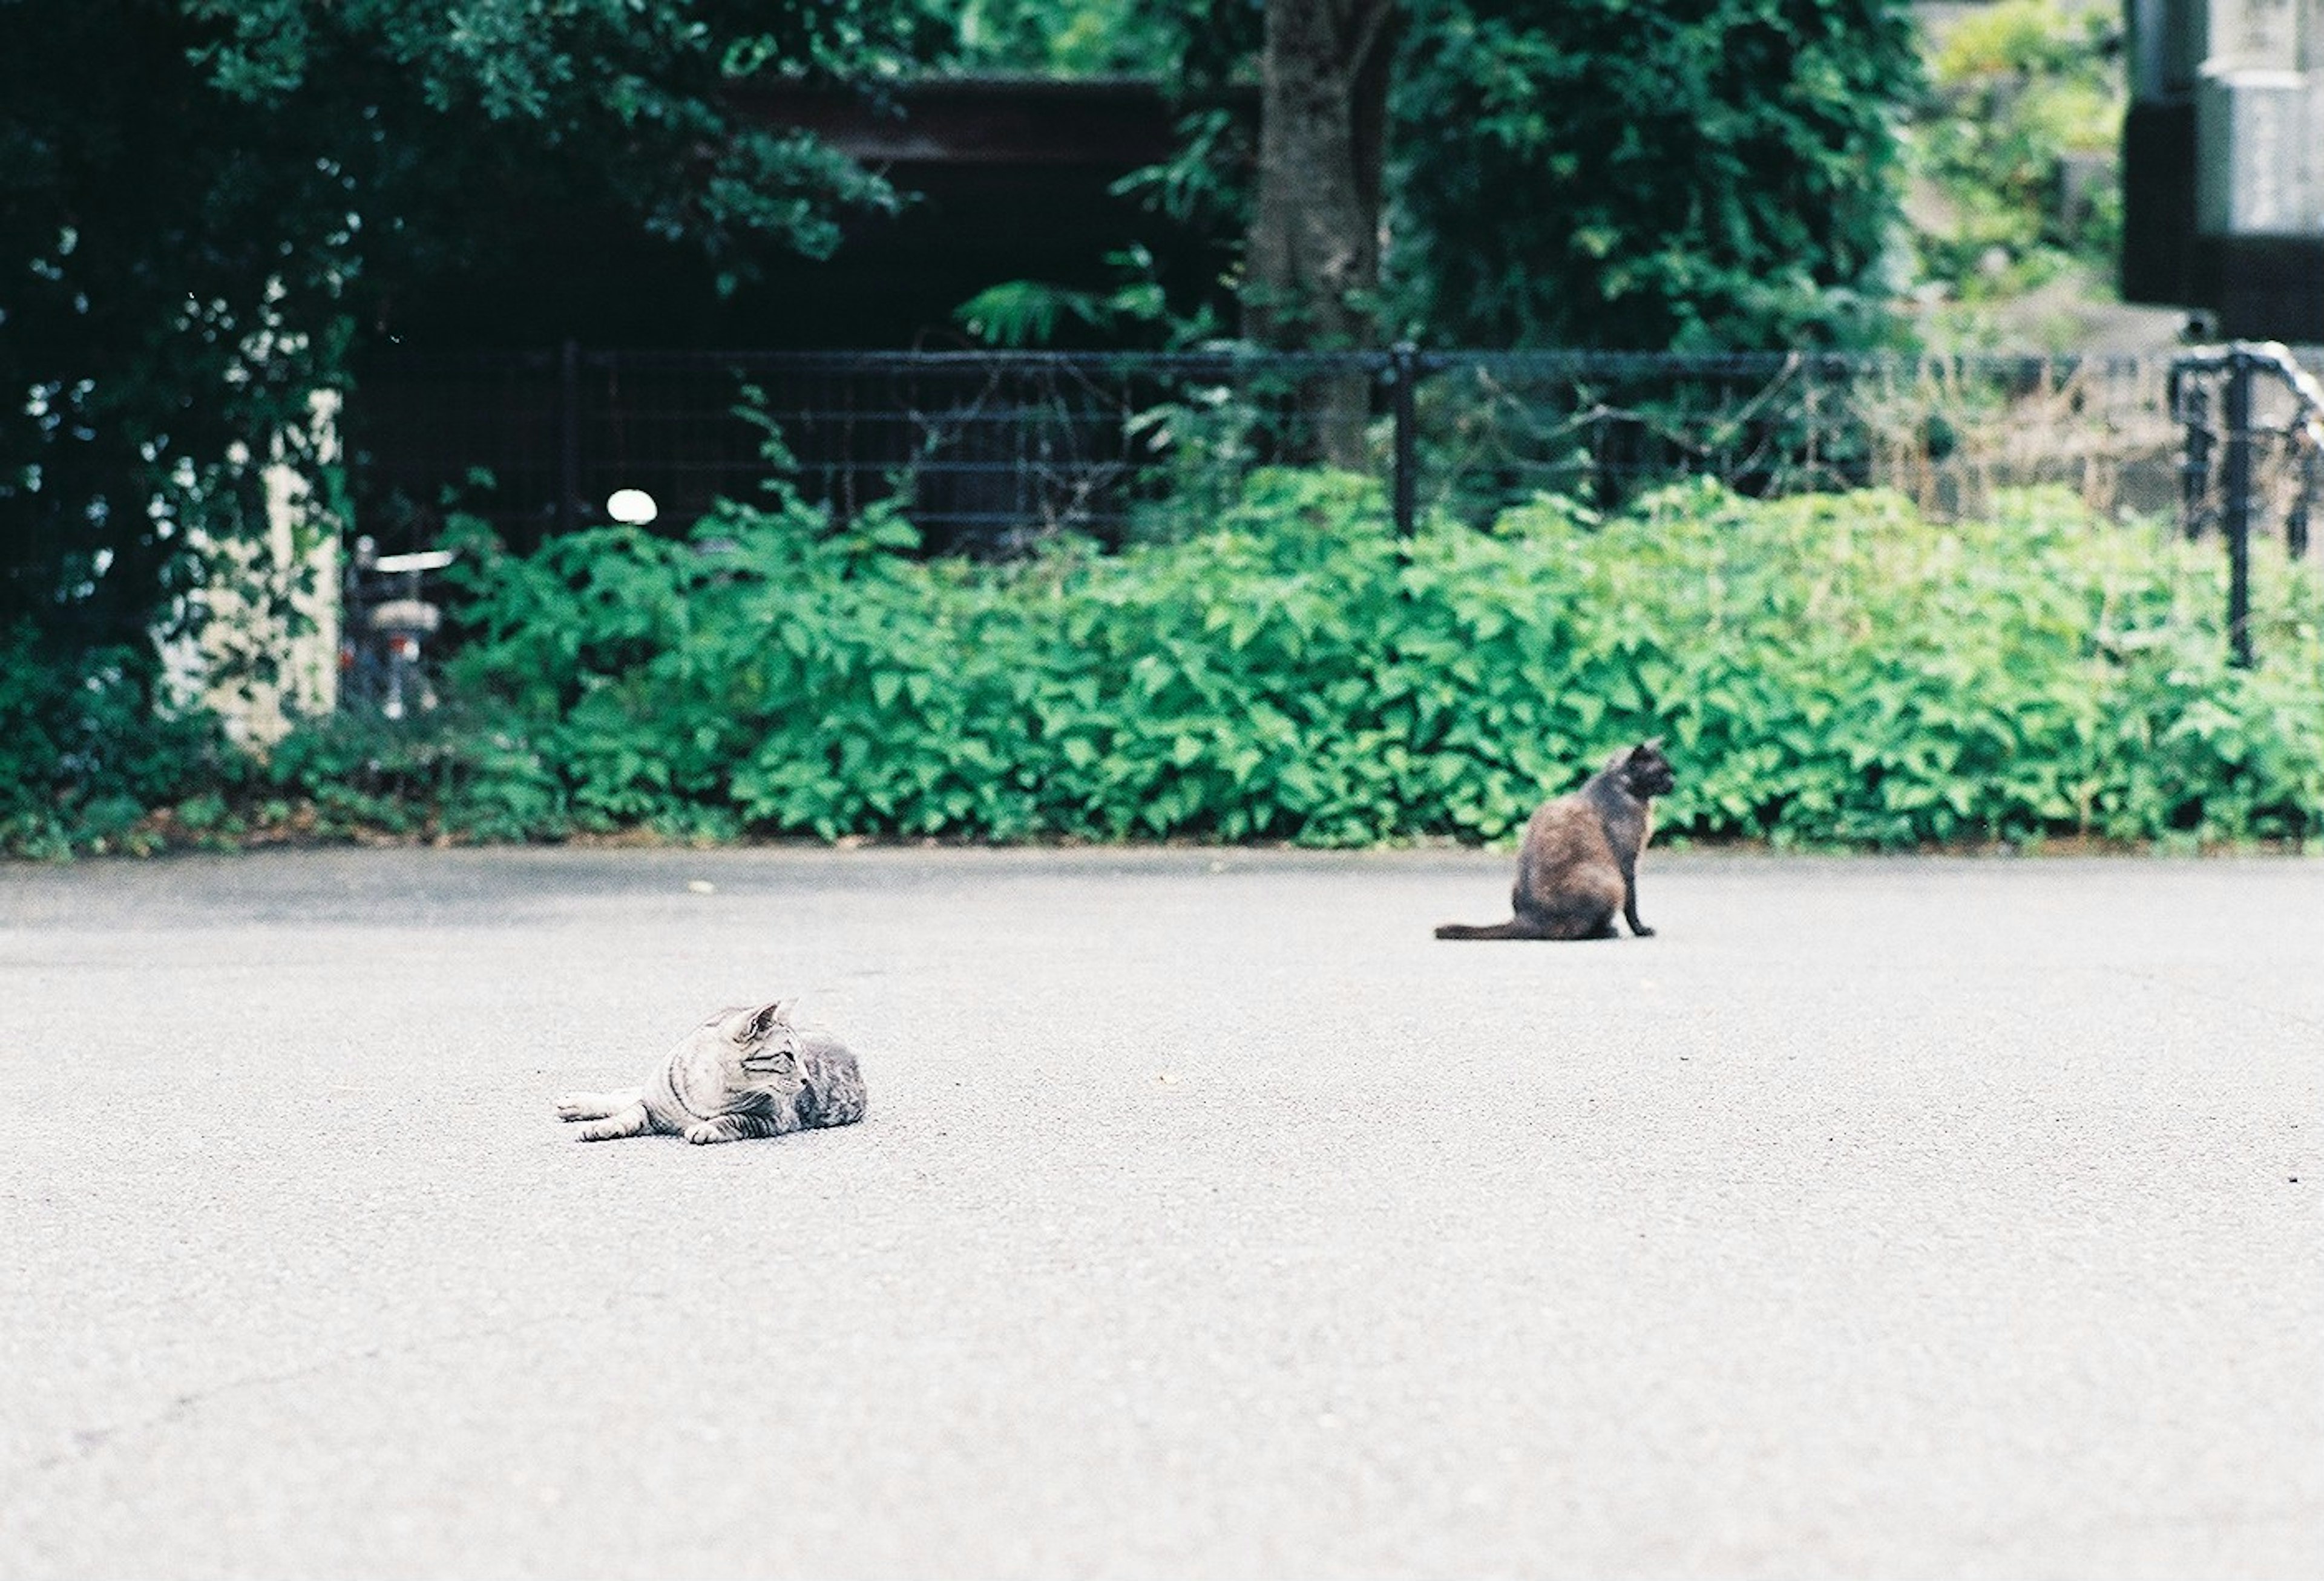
point(1517, 927)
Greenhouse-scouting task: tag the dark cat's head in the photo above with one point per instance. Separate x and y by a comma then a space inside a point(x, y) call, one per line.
point(1644, 771)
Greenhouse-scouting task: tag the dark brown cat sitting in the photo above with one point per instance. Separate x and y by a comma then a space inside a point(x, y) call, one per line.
point(1580, 861)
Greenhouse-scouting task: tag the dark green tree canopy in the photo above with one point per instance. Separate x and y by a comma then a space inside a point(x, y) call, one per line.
point(1621, 174)
point(1688, 173)
point(201, 201)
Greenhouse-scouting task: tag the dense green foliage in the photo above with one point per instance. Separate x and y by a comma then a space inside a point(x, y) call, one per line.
point(1826, 670)
point(1711, 175)
point(202, 200)
point(83, 759)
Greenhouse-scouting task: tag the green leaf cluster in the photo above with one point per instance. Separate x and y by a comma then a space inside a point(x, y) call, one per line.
point(1827, 671)
point(1718, 174)
point(82, 756)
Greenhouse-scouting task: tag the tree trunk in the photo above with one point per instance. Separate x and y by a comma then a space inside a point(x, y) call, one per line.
point(1313, 254)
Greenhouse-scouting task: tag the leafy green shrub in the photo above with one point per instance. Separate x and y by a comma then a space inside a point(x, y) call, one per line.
point(1834, 669)
point(1827, 669)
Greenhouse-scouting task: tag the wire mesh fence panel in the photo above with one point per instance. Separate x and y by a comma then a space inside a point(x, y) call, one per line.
point(1948, 432)
point(2283, 439)
point(422, 433)
point(1952, 432)
point(987, 452)
point(984, 452)
point(977, 453)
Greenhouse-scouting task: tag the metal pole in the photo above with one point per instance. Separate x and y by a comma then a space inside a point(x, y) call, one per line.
point(568, 437)
point(1404, 363)
point(2236, 481)
point(2195, 472)
point(2295, 524)
point(2190, 403)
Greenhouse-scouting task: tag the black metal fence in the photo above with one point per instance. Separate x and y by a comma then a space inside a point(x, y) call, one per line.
point(991, 450)
point(2254, 456)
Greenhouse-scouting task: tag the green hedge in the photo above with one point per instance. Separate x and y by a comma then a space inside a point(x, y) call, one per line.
point(1826, 671)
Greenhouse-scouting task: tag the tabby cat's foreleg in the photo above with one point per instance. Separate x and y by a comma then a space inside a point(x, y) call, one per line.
point(731, 1128)
point(632, 1121)
point(610, 1114)
point(596, 1105)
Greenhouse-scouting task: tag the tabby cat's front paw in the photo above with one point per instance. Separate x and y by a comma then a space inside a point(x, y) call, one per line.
point(703, 1133)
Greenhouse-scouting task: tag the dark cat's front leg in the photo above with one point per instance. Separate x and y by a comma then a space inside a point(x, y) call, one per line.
point(1630, 903)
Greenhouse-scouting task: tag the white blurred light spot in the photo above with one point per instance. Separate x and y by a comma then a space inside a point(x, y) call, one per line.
point(632, 506)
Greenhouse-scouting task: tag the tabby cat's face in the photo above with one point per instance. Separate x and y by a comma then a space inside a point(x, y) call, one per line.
point(757, 1047)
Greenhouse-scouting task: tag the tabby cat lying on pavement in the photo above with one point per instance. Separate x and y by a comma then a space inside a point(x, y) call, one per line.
point(1579, 864)
point(743, 1072)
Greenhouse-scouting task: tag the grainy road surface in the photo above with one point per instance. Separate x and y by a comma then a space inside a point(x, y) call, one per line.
point(1879, 1219)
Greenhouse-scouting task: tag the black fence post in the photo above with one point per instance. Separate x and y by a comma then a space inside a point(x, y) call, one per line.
point(1403, 366)
point(2195, 471)
point(568, 437)
point(2311, 484)
point(2236, 508)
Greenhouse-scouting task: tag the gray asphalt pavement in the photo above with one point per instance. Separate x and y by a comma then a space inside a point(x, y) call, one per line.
point(1879, 1218)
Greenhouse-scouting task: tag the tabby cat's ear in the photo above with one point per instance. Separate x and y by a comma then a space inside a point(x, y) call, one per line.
point(767, 1017)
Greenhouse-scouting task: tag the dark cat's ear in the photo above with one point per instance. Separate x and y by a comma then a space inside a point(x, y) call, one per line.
point(1646, 752)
